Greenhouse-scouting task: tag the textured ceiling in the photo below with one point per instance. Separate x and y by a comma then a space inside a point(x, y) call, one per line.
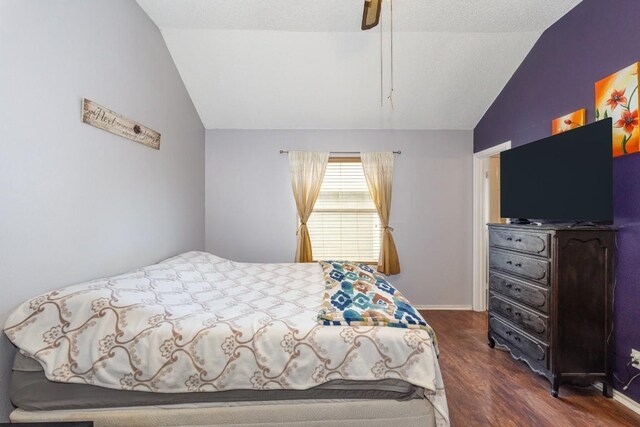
point(279, 64)
point(345, 15)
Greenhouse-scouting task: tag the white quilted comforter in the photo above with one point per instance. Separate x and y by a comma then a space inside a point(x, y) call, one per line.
point(197, 322)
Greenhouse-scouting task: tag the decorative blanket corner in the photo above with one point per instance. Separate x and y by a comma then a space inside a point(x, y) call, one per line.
point(357, 295)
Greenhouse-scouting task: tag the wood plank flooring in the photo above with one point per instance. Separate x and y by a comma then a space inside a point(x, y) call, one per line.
point(488, 387)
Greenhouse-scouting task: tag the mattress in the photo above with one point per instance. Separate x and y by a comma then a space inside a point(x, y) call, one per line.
point(197, 323)
point(30, 390)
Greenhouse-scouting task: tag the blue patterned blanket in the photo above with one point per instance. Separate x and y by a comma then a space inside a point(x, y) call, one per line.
point(357, 295)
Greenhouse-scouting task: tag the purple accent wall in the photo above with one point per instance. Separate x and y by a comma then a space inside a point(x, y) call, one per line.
point(595, 39)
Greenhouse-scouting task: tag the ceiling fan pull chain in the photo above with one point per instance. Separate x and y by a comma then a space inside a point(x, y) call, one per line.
point(390, 97)
point(381, 72)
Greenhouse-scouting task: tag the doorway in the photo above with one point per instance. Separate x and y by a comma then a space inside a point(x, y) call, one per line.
point(492, 190)
point(486, 209)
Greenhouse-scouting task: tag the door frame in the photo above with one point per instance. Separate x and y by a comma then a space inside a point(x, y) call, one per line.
point(480, 212)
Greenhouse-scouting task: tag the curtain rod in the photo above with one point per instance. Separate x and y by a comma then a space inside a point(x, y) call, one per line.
point(341, 152)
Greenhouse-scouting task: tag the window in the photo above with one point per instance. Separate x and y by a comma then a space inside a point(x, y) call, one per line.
point(344, 224)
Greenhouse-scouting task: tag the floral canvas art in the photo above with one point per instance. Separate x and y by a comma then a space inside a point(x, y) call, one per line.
point(568, 121)
point(617, 97)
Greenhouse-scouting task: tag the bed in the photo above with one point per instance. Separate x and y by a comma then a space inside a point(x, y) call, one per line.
point(201, 340)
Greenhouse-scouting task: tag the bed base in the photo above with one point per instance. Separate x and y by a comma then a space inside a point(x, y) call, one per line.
point(358, 413)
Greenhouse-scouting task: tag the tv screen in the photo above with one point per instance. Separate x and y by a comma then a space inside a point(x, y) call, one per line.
point(565, 177)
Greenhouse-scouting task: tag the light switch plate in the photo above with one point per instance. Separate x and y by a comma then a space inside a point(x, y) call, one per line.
point(635, 358)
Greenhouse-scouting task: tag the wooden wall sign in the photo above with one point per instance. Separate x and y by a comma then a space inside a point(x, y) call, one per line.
point(105, 119)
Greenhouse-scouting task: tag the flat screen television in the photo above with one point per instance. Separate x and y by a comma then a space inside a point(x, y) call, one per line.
point(563, 178)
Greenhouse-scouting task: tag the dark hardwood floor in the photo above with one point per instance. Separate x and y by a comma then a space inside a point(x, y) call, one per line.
point(488, 387)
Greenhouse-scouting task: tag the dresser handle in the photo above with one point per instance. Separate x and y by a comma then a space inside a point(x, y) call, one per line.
point(518, 264)
point(509, 333)
point(517, 289)
point(517, 339)
point(517, 314)
point(518, 240)
point(507, 285)
point(509, 239)
point(508, 309)
point(509, 262)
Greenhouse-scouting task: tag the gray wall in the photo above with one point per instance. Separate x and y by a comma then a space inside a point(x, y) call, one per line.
point(251, 216)
point(76, 202)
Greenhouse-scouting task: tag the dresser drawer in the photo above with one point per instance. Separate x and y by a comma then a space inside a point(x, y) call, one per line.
point(532, 243)
point(536, 353)
point(533, 296)
point(531, 322)
point(520, 265)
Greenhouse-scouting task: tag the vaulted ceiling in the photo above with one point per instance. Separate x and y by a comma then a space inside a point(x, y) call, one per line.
point(296, 64)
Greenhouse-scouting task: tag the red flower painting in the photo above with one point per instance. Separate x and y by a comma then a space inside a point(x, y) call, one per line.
point(617, 97)
point(568, 121)
point(628, 121)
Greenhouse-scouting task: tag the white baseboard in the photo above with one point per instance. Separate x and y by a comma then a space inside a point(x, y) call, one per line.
point(623, 399)
point(443, 307)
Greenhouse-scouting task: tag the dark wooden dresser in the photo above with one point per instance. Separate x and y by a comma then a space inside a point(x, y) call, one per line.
point(550, 299)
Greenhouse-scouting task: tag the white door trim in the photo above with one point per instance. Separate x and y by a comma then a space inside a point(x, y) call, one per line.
point(480, 210)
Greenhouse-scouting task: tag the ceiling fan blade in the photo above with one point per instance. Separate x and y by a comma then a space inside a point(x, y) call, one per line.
point(371, 14)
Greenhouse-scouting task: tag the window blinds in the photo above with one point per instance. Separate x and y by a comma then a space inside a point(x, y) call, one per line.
point(344, 224)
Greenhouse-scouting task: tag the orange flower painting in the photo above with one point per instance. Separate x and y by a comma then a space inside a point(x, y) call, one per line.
point(568, 121)
point(617, 97)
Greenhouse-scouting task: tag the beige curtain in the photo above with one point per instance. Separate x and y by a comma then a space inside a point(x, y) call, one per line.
point(378, 170)
point(307, 170)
